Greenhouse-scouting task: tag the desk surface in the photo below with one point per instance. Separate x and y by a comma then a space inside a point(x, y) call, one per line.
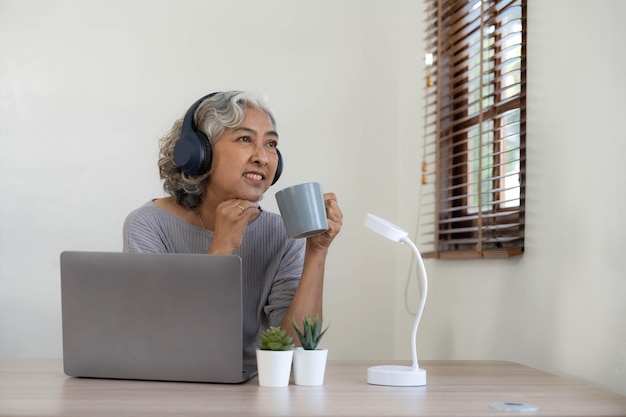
point(38, 387)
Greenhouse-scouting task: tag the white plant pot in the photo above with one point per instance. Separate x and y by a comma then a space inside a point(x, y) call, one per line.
point(309, 366)
point(274, 367)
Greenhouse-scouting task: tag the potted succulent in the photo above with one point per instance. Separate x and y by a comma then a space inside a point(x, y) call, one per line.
point(309, 362)
point(274, 356)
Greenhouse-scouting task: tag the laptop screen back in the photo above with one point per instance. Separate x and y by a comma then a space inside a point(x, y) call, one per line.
point(170, 317)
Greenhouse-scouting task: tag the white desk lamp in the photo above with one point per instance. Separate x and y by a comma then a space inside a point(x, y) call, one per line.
point(395, 375)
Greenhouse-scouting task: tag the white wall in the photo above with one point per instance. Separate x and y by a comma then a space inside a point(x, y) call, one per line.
point(561, 307)
point(87, 88)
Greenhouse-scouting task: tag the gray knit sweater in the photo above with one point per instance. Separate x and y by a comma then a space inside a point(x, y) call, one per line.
point(272, 263)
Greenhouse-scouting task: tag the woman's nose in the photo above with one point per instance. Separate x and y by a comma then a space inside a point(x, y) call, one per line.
point(260, 156)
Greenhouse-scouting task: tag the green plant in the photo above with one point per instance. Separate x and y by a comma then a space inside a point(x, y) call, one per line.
point(311, 332)
point(275, 338)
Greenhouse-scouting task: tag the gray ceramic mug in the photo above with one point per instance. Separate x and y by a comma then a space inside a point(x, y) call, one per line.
point(303, 210)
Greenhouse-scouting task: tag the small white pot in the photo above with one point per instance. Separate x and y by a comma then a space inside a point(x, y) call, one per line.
point(274, 367)
point(309, 366)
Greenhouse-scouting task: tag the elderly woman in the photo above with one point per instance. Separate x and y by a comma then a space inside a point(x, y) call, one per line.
point(216, 163)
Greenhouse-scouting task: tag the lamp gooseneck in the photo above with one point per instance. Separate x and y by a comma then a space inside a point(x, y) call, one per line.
point(424, 294)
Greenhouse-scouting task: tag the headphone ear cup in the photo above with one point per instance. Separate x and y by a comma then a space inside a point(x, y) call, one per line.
point(205, 163)
point(279, 167)
point(192, 152)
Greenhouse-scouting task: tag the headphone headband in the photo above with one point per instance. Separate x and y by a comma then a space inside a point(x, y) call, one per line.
point(189, 116)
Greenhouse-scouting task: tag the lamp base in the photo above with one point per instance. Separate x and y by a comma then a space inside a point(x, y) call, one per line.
point(396, 376)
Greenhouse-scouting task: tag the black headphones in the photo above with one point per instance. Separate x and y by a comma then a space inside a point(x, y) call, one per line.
point(192, 152)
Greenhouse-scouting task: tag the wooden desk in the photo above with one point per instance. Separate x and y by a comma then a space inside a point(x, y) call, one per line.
point(38, 387)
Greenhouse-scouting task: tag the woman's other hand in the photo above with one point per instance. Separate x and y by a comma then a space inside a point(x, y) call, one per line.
point(335, 220)
point(231, 219)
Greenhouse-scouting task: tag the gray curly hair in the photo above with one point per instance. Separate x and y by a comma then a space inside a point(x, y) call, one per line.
point(213, 116)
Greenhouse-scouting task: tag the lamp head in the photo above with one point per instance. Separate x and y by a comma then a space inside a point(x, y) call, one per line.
point(385, 228)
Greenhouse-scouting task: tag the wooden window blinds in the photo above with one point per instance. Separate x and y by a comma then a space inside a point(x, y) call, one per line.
point(473, 181)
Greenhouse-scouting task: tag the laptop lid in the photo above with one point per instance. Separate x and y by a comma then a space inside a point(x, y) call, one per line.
point(169, 317)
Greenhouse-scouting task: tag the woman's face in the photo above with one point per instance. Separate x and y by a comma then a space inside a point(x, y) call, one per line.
point(244, 159)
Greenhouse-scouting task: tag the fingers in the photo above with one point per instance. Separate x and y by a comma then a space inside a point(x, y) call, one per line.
point(333, 212)
point(241, 212)
point(246, 205)
point(247, 210)
point(335, 221)
point(237, 208)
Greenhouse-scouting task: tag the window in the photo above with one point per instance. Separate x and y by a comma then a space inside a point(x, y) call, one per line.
point(472, 194)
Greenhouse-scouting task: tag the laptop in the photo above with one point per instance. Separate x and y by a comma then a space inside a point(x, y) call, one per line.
point(163, 317)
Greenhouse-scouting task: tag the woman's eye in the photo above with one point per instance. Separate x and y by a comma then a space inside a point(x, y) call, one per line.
point(245, 139)
point(272, 144)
